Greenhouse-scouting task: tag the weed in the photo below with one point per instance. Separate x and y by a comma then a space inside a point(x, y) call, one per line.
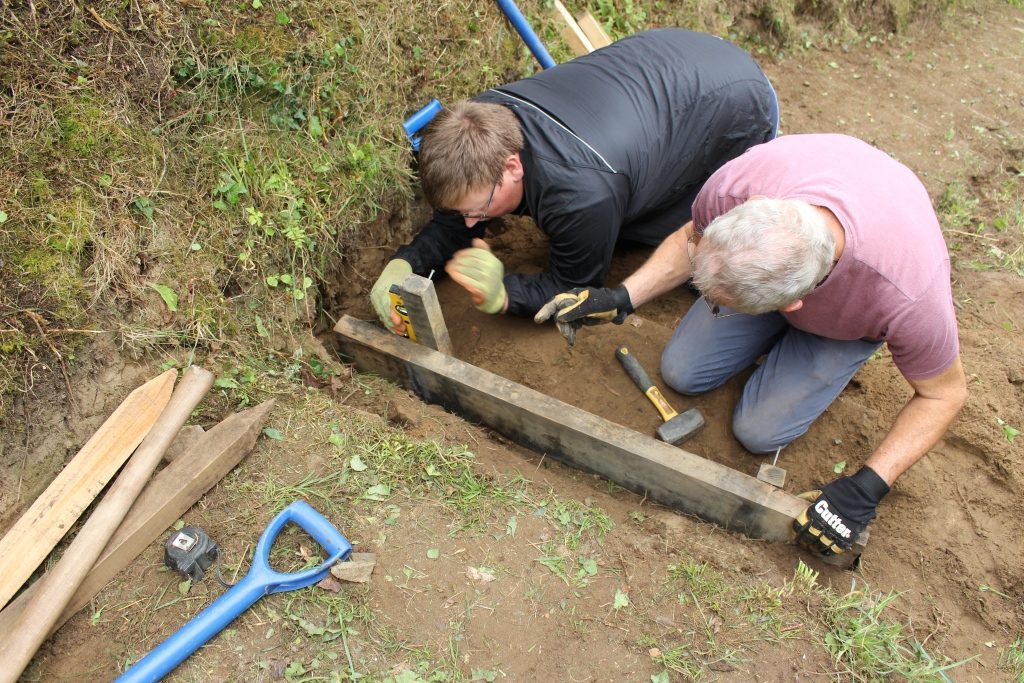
point(623, 17)
point(555, 562)
point(1009, 432)
point(702, 584)
point(323, 488)
point(681, 660)
point(764, 604)
point(1012, 660)
point(957, 206)
point(576, 519)
point(870, 646)
point(805, 579)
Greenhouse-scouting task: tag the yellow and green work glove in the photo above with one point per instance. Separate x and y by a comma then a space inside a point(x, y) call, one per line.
point(480, 273)
point(394, 273)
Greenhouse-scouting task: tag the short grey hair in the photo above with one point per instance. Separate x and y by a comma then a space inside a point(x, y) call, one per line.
point(763, 255)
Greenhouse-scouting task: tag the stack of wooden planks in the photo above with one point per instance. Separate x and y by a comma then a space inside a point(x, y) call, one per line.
point(136, 509)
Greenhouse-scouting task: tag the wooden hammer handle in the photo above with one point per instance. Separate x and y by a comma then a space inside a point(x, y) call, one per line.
point(643, 382)
point(63, 580)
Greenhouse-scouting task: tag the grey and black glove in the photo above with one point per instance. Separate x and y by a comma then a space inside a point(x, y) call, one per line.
point(586, 306)
point(840, 513)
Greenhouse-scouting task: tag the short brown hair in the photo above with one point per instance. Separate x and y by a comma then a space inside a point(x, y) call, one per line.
point(464, 149)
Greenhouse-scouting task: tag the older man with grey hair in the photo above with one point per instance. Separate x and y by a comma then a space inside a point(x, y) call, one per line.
point(812, 251)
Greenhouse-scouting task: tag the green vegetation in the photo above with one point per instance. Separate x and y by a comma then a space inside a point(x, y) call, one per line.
point(1012, 660)
point(985, 233)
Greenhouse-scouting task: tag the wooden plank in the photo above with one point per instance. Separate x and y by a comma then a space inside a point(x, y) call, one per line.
point(593, 30)
point(638, 462)
point(578, 41)
point(41, 527)
point(61, 582)
point(165, 499)
point(424, 312)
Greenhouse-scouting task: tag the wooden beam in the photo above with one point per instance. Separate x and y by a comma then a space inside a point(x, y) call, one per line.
point(165, 499)
point(670, 475)
point(593, 30)
point(38, 531)
point(424, 312)
point(573, 34)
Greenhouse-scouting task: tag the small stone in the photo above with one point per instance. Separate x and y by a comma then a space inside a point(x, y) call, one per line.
point(357, 569)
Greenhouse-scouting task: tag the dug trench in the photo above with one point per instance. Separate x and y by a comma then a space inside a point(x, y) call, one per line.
point(950, 532)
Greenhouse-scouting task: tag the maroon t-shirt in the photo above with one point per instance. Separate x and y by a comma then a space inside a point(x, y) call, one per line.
point(892, 281)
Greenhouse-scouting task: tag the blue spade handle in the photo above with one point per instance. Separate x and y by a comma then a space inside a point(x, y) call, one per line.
point(417, 121)
point(261, 580)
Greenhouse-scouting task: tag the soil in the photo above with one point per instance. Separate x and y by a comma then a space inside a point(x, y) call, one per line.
point(948, 101)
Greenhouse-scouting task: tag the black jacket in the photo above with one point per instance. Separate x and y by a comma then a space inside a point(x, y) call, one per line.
point(616, 145)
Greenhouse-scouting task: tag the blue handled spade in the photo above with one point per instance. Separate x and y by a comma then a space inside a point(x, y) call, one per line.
point(261, 580)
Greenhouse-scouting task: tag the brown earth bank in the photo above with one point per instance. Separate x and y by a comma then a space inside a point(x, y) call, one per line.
point(946, 100)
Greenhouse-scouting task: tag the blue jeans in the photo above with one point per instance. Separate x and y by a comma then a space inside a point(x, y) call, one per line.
point(774, 111)
point(799, 378)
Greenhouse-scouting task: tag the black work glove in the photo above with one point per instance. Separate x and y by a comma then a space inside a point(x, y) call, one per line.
point(841, 511)
point(586, 306)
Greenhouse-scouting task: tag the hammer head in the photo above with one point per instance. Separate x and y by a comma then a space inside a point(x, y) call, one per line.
point(682, 427)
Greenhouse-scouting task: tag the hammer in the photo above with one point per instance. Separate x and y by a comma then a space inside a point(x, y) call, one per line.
point(677, 427)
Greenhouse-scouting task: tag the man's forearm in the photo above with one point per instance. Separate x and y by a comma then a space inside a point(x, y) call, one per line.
point(435, 243)
point(668, 267)
point(920, 424)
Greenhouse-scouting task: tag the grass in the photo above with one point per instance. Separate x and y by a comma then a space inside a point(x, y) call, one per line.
point(865, 643)
point(984, 233)
point(1012, 660)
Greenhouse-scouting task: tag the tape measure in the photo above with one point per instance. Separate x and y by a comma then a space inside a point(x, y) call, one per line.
point(398, 306)
point(190, 551)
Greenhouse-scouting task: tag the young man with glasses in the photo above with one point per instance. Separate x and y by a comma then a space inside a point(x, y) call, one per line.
point(612, 145)
point(811, 251)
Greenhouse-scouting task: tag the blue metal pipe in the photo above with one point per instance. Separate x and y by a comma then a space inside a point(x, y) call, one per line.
point(526, 33)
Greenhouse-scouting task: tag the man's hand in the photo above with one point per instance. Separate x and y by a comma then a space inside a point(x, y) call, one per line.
point(394, 273)
point(840, 512)
point(480, 273)
point(586, 306)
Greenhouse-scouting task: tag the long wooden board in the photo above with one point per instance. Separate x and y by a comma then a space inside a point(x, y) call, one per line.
point(166, 498)
point(593, 30)
point(572, 33)
point(41, 527)
point(638, 462)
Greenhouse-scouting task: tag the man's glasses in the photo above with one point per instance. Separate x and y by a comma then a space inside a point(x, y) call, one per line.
point(482, 213)
point(716, 310)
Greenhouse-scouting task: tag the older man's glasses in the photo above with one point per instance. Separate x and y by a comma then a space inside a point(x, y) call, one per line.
point(716, 310)
point(481, 214)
